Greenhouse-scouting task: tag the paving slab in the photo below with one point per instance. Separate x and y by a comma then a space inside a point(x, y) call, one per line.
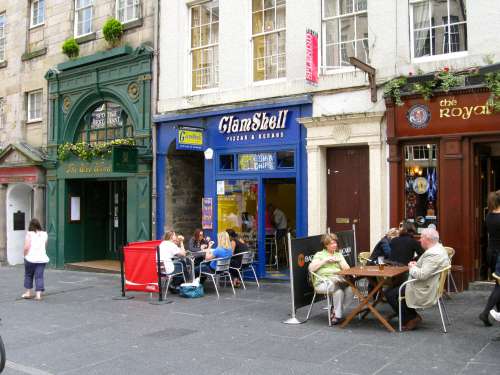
point(79, 329)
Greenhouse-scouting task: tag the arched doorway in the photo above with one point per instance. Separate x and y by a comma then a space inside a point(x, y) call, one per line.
point(19, 208)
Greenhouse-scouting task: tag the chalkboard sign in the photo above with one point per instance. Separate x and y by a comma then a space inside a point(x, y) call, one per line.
point(19, 221)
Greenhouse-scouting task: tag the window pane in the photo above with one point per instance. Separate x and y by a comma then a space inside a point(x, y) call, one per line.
point(215, 33)
point(457, 9)
point(439, 13)
point(332, 31)
point(280, 17)
point(421, 185)
point(226, 162)
point(333, 55)
point(362, 26)
point(268, 4)
point(330, 7)
point(347, 49)
point(269, 15)
point(205, 15)
point(258, 53)
point(256, 5)
point(440, 45)
point(347, 28)
point(346, 6)
point(205, 35)
point(422, 42)
point(362, 51)
point(421, 15)
point(285, 159)
point(361, 5)
point(195, 16)
point(257, 22)
point(195, 37)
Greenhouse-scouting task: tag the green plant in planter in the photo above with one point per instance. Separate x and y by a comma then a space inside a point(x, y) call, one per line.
point(71, 48)
point(447, 79)
point(113, 31)
point(393, 89)
point(425, 88)
point(87, 151)
point(492, 82)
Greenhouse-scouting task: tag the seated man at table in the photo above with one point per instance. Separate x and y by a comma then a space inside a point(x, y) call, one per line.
point(327, 263)
point(173, 246)
point(423, 292)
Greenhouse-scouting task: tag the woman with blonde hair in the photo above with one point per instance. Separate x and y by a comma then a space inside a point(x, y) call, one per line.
point(223, 250)
point(326, 264)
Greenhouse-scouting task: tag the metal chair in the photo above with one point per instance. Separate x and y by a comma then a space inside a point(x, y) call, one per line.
point(327, 284)
point(442, 308)
point(168, 276)
point(246, 262)
point(450, 279)
point(221, 269)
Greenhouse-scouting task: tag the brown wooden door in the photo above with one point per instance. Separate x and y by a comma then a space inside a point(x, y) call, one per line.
point(348, 192)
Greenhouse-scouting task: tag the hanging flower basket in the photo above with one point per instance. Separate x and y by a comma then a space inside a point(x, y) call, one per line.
point(87, 151)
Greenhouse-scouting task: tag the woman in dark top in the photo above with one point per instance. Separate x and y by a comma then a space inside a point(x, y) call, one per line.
point(404, 247)
point(493, 254)
point(197, 242)
point(238, 246)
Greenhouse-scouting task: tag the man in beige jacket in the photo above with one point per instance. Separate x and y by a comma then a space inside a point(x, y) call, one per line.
point(423, 292)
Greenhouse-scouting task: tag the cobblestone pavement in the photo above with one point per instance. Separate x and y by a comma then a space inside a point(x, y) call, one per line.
point(79, 329)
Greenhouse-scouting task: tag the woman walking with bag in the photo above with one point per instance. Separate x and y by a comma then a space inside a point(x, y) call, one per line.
point(35, 259)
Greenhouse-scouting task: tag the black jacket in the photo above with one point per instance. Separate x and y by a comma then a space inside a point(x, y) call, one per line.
point(403, 249)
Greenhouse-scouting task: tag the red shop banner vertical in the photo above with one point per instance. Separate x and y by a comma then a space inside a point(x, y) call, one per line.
point(312, 56)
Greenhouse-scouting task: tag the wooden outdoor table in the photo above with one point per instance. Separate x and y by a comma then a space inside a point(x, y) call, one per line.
point(364, 302)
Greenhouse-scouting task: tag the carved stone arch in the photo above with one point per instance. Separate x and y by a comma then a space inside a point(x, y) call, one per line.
point(86, 102)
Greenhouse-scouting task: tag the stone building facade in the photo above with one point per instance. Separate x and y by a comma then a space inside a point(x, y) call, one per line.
point(31, 38)
point(348, 123)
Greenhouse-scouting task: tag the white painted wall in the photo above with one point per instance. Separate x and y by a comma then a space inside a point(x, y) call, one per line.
point(19, 198)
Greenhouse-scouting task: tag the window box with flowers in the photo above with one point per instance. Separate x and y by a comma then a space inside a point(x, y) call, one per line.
point(88, 151)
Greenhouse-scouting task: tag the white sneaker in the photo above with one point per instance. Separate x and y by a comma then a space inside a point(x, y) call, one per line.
point(495, 315)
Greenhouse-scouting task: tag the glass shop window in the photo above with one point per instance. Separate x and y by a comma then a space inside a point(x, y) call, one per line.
point(226, 162)
point(285, 159)
point(421, 184)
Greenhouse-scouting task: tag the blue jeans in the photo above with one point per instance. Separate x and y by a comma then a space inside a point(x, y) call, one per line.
point(34, 270)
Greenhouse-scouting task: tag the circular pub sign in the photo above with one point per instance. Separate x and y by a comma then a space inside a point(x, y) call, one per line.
point(418, 116)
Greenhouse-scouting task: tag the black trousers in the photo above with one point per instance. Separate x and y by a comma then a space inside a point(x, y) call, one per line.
point(407, 313)
point(493, 300)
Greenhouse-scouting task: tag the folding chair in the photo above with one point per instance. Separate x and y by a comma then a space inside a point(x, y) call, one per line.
point(450, 279)
point(442, 307)
point(168, 276)
point(326, 284)
point(246, 262)
point(221, 269)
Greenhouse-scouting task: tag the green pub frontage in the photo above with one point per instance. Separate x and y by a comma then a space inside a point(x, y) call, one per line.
point(100, 157)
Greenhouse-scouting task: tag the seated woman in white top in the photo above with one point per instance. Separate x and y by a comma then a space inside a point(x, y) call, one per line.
point(35, 259)
point(172, 246)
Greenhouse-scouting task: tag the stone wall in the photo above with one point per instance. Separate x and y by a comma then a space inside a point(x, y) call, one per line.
point(184, 191)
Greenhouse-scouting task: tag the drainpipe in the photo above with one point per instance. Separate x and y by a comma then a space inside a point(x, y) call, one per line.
point(154, 107)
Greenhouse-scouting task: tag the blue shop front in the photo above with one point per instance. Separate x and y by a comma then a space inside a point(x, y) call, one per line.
point(253, 161)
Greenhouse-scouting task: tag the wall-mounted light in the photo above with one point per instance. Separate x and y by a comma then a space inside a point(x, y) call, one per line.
point(209, 153)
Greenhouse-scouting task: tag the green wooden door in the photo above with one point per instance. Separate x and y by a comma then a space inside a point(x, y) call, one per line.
point(96, 219)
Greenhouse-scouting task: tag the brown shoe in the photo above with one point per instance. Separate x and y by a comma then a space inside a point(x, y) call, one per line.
point(412, 323)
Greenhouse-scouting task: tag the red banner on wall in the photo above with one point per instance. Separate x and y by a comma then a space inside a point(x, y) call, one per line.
point(312, 56)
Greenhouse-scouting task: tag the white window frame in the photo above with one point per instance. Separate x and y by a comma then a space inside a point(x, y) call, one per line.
point(440, 56)
point(136, 6)
point(3, 103)
point(29, 109)
point(210, 45)
point(266, 81)
point(3, 41)
point(77, 10)
point(342, 68)
point(37, 8)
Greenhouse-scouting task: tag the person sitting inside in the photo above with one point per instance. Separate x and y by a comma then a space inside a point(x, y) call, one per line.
point(238, 246)
point(405, 248)
point(173, 246)
point(198, 242)
point(383, 247)
point(223, 250)
point(423, 292)
point(327, 263)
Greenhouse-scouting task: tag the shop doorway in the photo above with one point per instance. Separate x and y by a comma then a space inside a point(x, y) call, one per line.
point(348, 192)
point(19, 209)
point(280, 193)
point(487, 179)
point(101, 228)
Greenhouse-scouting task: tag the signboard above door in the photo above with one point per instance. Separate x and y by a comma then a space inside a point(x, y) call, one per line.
point(189, 139)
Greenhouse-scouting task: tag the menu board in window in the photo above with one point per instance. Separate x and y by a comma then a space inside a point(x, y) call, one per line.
point(256, 162)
